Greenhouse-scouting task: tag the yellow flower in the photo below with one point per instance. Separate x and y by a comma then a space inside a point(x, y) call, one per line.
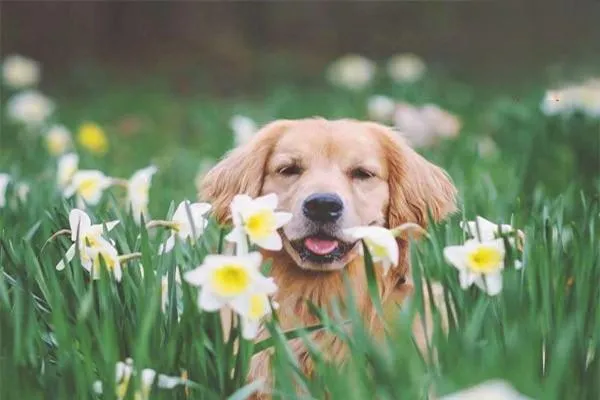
point(92, 138)
point(58, 140)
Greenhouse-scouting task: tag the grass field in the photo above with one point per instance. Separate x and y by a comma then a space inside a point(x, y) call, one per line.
point(60, 331)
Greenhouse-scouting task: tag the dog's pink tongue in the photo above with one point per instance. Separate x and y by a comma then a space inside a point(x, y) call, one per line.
point(320, 246)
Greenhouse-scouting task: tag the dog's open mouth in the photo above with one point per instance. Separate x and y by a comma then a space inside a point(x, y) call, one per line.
point(321, 248)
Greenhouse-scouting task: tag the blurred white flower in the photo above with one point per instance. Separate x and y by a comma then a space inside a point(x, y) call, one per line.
point(589, 99)
point(229, 280)
point(479, 262)
point(125, 370)
point(489, 390)
point(185, 226)
point(80, 225)
point(410, 123)
point(558, 102)
point(20, 72)
point(381, 243)
point(243, 129)
point(406, 68)
point(87, 186)
point(584, 98)
point(4, 180)
point(441, 122)
point(381, 108)
point(351, 72)
point(138, 192)
point(58, 140)
point(30, 108)
point(486, 147)
point(256, 220)
point(426, 125)
point(67, 166)
point(22, 190)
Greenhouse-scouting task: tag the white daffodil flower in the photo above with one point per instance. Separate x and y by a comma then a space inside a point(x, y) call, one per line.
point(30, 108)
point(89, 236)
point(4, 180)
point(252, 309)
point(67, 166)
point(489, 390)
point(381, 243)
point(381, 108)
point(243, 129)
point(102, 252)
point(185, 226)
point(406, 68)
point(87, 186)
point(351, 72)
point(257, 220)
point(228, 280)
point(559, 101)
point(125, 370)
point(480, 263)
point(58, 140)
point(138, 192)
point(20, 72)
point(485, 230)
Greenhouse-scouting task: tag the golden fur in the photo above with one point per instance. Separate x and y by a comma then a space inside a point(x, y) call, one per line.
point(405, 188)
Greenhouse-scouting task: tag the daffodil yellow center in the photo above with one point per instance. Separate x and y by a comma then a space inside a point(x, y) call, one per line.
point(377, 251)
point(230, 280)
point(260, 224)
point(90, 240)
point(109, 261)
point(258, 303)
point(87, 187)
point(484, 259)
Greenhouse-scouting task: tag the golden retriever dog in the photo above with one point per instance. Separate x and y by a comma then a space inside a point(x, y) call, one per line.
point(331, 175)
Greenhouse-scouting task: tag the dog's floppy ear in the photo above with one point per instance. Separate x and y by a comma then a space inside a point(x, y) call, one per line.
point(417, 187)
point(240, 171)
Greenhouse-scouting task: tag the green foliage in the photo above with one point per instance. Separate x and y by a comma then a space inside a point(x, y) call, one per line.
point(61, 331)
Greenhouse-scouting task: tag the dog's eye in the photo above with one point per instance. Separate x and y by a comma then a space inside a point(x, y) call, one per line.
point(290, 170)
point(361, 173)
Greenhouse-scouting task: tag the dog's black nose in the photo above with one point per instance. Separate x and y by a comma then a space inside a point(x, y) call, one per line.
point(323, 207)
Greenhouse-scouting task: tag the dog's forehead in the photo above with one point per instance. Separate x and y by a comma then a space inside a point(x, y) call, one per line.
point(330, 139)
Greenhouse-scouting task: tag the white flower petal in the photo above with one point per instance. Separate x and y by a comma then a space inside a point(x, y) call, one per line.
point(68, 256)
point(271, 242)
point(282, 218)
point(80, 222)
point(455, 255)
point(167, 246)
point(197, 276)
point(147, 377)
point(466, 278)
point(209, 302)
point(250, 328)
point(169, 382)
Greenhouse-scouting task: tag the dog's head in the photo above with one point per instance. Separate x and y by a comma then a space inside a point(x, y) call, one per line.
point(331, 175)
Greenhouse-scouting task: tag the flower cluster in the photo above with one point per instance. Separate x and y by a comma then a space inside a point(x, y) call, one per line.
point(421, 126)
point(236, 281)
point(19, 193)
point(481, 258)
point(584, 98)
point(124, 371)
point(356, 72)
